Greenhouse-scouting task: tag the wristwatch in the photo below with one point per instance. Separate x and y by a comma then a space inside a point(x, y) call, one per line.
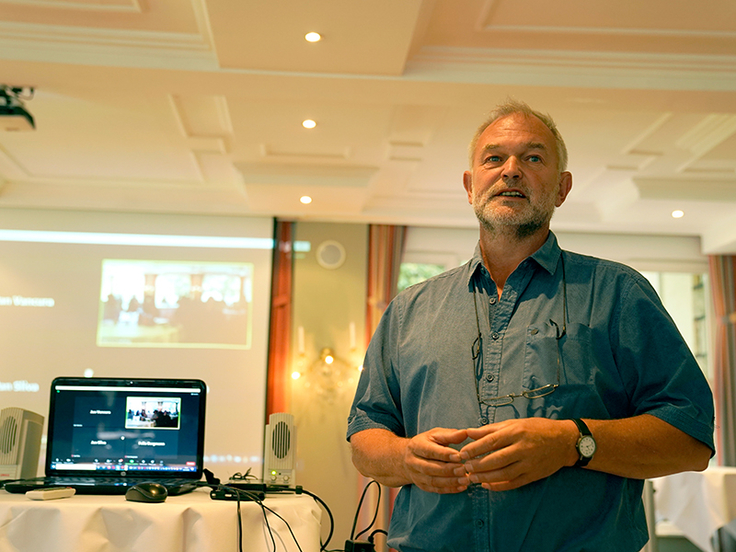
point(586, 444)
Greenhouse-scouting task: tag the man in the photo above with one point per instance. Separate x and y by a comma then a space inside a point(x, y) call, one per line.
point(520, 400)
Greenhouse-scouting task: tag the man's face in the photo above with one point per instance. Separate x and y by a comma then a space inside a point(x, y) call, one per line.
point(514, 184)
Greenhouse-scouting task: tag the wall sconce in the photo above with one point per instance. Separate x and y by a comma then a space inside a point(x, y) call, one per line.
point(328, 376)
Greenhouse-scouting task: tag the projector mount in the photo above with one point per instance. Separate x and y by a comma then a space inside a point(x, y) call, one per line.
point(13, 114)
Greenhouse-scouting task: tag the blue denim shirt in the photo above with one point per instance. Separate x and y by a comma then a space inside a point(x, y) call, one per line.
point(621, 356)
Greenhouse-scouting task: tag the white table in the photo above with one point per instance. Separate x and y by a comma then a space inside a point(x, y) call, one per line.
point(192, 522)
point(699, 503)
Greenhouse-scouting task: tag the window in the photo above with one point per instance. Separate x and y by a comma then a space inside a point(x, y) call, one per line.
point(413, 273)
point(686, 296)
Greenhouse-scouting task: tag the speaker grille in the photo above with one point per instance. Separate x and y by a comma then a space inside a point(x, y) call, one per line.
point(8, 435)
point(280, 440)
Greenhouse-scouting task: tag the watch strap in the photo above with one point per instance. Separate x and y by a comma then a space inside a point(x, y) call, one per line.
point(584, 432)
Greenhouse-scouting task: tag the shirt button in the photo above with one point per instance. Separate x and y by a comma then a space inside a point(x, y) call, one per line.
point(494, 335)
point(489, 377)
point(484, 420)
point(479, 523)
point(493, 300)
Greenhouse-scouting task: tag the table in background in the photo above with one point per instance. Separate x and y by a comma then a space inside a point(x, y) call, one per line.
point(699, 503)
point(191, 522)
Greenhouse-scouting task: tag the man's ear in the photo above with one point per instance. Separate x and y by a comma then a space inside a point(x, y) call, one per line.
point(468, 185)
point(565, 187)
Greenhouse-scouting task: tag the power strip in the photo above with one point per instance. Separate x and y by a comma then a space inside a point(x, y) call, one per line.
point(358, 546)
point(247, 486)
point(230, 494)
point(262, 487)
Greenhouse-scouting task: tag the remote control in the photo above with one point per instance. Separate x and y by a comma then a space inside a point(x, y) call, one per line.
point(50, 493)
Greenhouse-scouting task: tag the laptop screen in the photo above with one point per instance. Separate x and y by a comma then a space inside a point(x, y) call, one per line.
point(137, 427)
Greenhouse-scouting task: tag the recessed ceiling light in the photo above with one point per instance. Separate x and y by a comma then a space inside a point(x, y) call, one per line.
point(309, 123)
point(677, 213)
point(312, 37)
point(306, 200)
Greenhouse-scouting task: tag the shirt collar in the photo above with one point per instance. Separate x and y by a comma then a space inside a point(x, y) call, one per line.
point(546, 256)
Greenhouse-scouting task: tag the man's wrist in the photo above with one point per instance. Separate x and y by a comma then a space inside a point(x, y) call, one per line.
point(572, 435)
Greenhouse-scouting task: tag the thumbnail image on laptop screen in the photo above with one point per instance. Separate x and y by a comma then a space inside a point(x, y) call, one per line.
point(126, 426)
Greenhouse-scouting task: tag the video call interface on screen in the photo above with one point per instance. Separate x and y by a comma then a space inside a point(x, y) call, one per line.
point(139, 295)
point(141, 429)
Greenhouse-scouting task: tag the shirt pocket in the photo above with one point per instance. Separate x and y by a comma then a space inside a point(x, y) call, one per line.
point(569, 362)
point(542, 361)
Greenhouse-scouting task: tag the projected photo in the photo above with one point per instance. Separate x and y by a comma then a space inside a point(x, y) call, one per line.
point(148, 412)
point(175, 304)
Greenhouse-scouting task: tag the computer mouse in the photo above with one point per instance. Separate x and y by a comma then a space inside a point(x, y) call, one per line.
point(147, 492)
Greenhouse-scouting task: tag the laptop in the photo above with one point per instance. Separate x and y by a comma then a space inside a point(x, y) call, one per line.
point(107, 434)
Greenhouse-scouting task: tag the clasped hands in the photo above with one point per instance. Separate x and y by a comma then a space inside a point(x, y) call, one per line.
point(500, 456)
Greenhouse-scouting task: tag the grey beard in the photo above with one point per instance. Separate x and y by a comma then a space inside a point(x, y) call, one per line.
point(520, 231)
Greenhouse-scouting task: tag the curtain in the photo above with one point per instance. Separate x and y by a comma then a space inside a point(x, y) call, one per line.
point(723, 285)
point(280, 325)
point(385, 249)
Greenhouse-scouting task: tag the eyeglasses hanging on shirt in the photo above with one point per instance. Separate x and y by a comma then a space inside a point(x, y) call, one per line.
point(539, 392)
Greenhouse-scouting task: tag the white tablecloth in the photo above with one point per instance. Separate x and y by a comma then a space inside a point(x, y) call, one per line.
point(189, 523)
point(698, 503)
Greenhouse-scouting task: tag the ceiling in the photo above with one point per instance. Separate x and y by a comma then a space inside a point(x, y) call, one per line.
point(195, 106)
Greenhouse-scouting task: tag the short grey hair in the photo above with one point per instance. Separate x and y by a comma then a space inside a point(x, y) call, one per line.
point(510, 107)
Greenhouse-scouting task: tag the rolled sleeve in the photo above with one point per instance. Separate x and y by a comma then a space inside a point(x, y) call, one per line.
point(665, 379)
point(378, 397)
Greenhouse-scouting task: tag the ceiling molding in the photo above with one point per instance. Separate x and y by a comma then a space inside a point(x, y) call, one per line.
point(610, 31)
point(95, 36)
point(720, 238)
point(273, 153)
point(574, 68)
point(122, 6)
point(307, 175)
point(485, 23)
point(398, 151)
point(201, 116)
point(114, 47)
point(633, 146)
point(110, 183)
point(693, 189)
point(711, 131)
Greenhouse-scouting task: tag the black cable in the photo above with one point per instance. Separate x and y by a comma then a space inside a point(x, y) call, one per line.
point(240, 526)
point(373, 534)
point(253, 497)
point(353, 536)
point(323, 546)
point(293, 536)
point(300, 490)
point(256, 498)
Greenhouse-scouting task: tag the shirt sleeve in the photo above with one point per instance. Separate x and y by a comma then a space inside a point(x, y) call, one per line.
point(660, 370)
point(377, 402)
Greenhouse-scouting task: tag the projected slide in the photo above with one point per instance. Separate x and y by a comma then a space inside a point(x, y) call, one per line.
point(175, 304)
point(141, 295)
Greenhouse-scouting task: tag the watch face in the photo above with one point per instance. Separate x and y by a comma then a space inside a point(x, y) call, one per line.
point(586, 446)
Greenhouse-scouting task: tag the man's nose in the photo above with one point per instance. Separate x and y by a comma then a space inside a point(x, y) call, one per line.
point(511, 169)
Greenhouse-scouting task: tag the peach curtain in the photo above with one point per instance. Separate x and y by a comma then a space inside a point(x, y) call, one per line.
point(280, 325)
point(723, 286)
